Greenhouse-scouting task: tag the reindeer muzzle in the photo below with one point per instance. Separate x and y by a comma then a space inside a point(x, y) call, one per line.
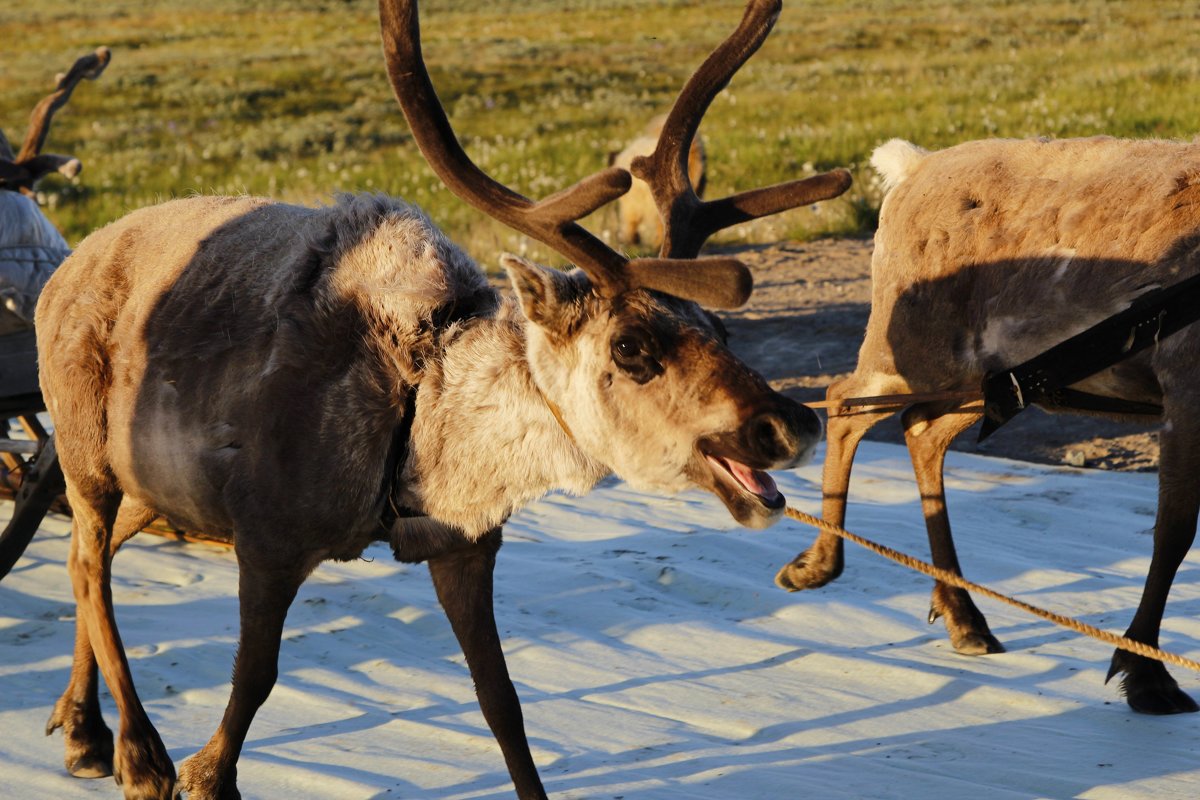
point(781, 435)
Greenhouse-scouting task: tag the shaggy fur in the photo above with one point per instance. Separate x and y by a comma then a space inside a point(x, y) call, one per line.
point(987, 254)
point(244, 367)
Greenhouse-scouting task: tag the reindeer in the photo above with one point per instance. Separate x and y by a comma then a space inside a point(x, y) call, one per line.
point(987, 254)
point(636, 209)
point(30, 246)
point(305, 381)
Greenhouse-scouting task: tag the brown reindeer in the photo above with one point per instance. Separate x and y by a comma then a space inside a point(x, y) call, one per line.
point(987, 254)
point(305, 381)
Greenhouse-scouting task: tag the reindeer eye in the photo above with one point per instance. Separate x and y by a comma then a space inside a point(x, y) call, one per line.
point(627, 348)
point(634, 354)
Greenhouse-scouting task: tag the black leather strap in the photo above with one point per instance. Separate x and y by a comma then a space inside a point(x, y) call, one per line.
point(1042, 380)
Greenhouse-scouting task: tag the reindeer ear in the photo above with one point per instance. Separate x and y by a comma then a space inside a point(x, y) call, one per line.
point(544, 293)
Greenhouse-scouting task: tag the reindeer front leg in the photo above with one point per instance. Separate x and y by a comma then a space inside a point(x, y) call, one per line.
point(463, 581)
point(928, 432)
point(1147, 685)
point(822, 562)
point(266, 588)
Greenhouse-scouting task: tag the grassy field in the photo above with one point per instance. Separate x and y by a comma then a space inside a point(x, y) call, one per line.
point(290, 98)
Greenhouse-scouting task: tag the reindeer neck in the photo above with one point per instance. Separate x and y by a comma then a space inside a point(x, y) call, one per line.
point(484, 441)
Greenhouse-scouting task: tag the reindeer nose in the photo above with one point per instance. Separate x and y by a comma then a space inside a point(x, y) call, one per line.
point(783, 435)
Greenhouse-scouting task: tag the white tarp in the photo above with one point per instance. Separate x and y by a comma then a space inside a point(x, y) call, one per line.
point(654, 657)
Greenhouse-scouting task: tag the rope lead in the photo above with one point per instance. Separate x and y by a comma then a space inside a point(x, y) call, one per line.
point(953, 579)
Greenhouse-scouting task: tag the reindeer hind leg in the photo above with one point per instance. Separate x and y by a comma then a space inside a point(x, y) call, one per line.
point(1147, 686)
point(140, 762)
point(87, 741)
point(267, 585)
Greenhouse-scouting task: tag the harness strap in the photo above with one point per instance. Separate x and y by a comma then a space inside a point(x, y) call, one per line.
point(1149, 319)
point(888, 400)
point(1075, 400)
point(558, 417)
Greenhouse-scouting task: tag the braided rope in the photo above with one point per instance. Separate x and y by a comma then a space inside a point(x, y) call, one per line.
point(953, 579)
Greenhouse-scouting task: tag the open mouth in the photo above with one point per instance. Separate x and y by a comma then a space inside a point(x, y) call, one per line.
point(749, 480)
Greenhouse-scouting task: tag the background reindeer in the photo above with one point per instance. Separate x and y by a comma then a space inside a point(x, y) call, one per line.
point(30, 246)
point(637, 212)
point(987, 254)
point(306, 381)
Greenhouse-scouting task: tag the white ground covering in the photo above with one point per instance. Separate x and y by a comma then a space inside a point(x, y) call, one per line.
point(654, 656)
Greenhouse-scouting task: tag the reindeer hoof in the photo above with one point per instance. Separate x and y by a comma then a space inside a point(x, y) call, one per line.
point(1148, 687)
point(805, 572)
point(91, 767)
point(1167, 702)
point(976, 644)
point(87, 741)
point(143, 769)
point(969, 641)
point(200, 779)
point(153, 789)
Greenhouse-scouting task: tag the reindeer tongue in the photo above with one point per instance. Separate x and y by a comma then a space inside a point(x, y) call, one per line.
point(758, 482)
point(752, 480)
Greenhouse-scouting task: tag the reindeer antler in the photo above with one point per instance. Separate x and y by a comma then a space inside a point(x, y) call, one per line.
point(687, 220)
point(20, 172)
point(717, 282)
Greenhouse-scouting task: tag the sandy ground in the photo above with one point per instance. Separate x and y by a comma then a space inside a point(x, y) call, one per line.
point(803, 326)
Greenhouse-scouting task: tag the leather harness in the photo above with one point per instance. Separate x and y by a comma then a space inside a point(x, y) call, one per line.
point(1043, 379)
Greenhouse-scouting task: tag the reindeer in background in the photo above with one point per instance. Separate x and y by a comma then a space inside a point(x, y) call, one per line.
point(305, 381)
point(637, 211)
point(987, 254)
point(30, 246)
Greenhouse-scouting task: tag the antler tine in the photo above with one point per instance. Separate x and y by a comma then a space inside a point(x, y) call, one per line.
point(552, 220)
point(44, 164)
point(90, 67)
point(687, 220)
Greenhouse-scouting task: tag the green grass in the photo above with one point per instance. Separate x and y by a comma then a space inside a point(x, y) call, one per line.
point(290, 98)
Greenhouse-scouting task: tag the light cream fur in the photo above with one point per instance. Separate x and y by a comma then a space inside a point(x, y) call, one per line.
point(896, 160)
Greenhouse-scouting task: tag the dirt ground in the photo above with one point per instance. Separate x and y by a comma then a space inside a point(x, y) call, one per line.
point(803, 326)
